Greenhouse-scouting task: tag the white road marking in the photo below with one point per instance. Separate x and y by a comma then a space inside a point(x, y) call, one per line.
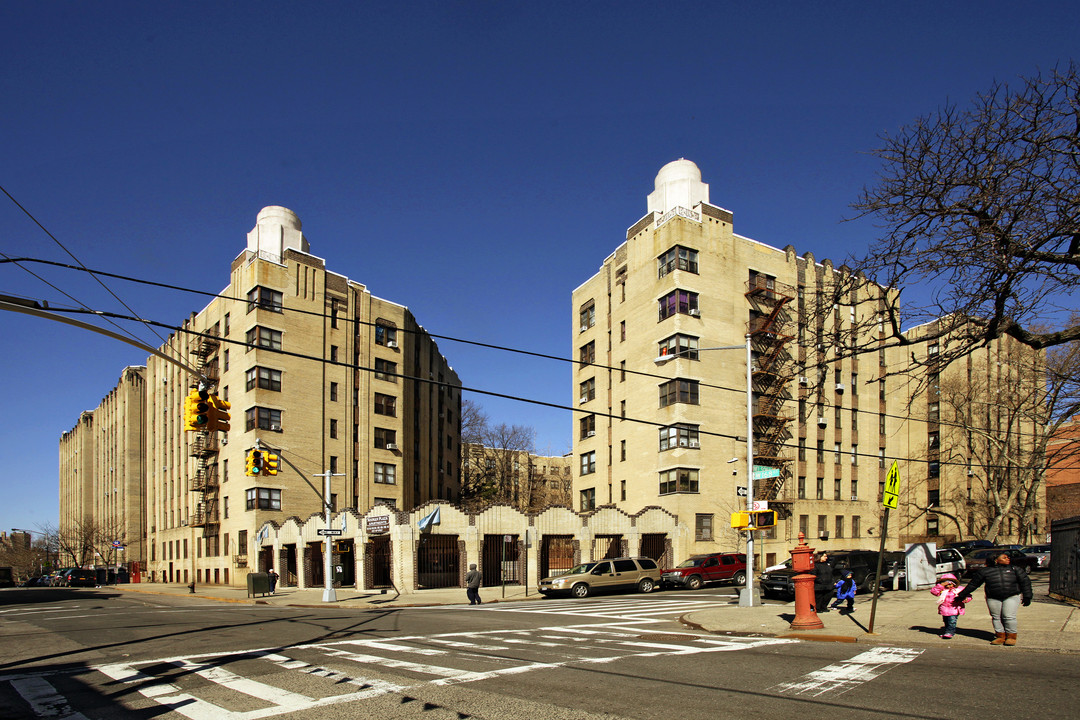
point(840, 677)
point(44, 700)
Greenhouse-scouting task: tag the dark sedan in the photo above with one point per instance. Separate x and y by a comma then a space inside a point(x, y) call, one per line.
point(986, 556)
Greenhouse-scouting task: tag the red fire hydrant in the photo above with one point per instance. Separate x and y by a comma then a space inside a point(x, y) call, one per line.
point(802, 562)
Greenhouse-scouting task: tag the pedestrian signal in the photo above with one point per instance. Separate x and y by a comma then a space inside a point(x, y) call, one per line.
point(219, 414)
point(270, 464)
point(762, 518)
point(740, 520)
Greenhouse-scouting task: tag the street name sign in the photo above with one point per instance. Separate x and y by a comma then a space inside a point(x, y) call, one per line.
point(762, 472)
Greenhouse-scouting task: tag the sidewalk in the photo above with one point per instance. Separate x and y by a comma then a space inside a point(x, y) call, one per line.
point(901, 617)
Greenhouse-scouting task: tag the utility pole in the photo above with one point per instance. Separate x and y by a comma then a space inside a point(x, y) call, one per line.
point(328, 582)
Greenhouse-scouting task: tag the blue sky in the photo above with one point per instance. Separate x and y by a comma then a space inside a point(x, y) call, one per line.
point(503, 148)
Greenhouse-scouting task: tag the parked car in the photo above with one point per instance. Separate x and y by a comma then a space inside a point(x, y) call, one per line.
point(61, 578)
point(861, 563)
point(985, 556)
point(967, 546)
point(625, 573)
point(1041, 554)
point(82, 578)
point(712, 567)
point(786, 565)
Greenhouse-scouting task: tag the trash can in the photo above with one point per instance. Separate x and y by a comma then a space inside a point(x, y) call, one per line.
point(258, 583)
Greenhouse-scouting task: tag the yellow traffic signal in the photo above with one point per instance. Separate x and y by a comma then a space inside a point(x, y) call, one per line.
point(190, 411)
point(270, 464)
point(762, 518)
point(740, 520)
point(254, 463)
point(219, 414)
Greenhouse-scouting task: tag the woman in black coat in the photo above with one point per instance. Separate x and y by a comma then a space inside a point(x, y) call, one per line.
point(823, 582)
point(1007, 587)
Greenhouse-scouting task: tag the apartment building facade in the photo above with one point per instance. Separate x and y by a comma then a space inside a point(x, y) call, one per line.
point(102, 466)
point(662, 384)
point(335, 381)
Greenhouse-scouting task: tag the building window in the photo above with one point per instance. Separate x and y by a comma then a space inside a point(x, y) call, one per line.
point(588, 463)
point(854, 455)
point(933, 441)
point(804, 525)
point(932, 525)
point(262, 418)
point(588, 390)
point(683, 346)
point(933, 412)
point(385, 473)
point(839, 527)
point(333, 428)
point(820, 489)
point(384, 437)
point(678, 480)
point(226, 321)
point(588, 315)
point(933, 498)
point(622, 491)
point(588, 499)
point(333, 392)
point(836, 453)
point(934, 468)
point(679, 391)
point(622, 371)
point(703, 528)
point(587, 353)
point(225, 506)
point(854, 489)
point(837, 491)
point(264, 378)
point(622, 331)
point(385, 405)
point(678, 302)
point(677, 258)
point(802, 487)
point(588, 426)
point(823, 526)
point(622, 451)
point(333, 353)
point(856, 526)
point(263, 499)
point(225, 360)
point(262, 337)
point(264, 299)
point(385, 370)
point(881, 424)
point(675, 436)
point(385, 335)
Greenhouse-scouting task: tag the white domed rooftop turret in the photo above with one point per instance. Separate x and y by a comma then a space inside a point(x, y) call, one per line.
point(277, 229)
point(678, 184)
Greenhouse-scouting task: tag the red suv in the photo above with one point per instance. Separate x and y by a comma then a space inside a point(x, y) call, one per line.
point(700, 569)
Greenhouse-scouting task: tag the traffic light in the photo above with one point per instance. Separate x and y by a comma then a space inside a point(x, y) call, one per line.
point(270, 464)
point(197, 410)
point(219, 414)
point(740, 520)
point(762, 518)
point(254, 463)
point(190, 413)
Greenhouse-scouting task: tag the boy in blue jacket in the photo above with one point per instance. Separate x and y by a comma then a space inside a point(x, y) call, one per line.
point(845, 590)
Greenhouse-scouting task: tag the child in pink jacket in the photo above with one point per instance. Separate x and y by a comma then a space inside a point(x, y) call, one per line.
point(946, 592)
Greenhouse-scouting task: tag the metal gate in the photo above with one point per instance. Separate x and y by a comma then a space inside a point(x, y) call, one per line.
point(1065, 558)
point(607, 546)
point(654, 545)
point(556, 555)
point(437, 561)
point(500, 561)
point(377, 560)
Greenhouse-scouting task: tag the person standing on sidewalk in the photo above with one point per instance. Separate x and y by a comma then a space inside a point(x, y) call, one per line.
point(823, 582)
point(472, 585)
point(1007, 587)
point(273, 580)
point(949, 608)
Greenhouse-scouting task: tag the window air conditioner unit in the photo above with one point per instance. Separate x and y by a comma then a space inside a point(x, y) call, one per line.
point(822, 422)
point(694, 444)
point(695, 313)
point(224, 439)
point(804, 380)
point(275, 428)
point(391, 343)
point(583, 400)
point(839, 387)
point(590, 433)
point(854, 497)
point(584, 328)
point(391, 446)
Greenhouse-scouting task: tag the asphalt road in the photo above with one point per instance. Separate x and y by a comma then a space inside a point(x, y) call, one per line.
point(100, 654)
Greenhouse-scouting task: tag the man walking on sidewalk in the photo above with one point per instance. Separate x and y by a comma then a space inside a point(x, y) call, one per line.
point(472, 585)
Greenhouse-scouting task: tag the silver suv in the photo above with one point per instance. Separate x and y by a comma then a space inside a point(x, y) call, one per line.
point(625, 573)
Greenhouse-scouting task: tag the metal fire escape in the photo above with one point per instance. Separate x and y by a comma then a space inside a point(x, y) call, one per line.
point(771, 375)
point(204, 448)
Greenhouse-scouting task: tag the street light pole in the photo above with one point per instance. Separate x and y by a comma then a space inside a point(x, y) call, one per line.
point(746, 597)
point(329, 595)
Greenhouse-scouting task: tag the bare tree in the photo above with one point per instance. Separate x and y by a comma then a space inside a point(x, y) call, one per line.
point(89, 542)
point(497, 462)
point(980, 209)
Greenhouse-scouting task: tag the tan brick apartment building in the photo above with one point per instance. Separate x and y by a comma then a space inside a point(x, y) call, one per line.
point(319, 371)
point(673, 433)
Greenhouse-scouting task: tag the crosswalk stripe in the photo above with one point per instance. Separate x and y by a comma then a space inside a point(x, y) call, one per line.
point(43, 699)
point(840, 677)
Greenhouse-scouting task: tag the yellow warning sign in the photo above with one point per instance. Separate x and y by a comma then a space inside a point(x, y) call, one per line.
point(891, 494)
